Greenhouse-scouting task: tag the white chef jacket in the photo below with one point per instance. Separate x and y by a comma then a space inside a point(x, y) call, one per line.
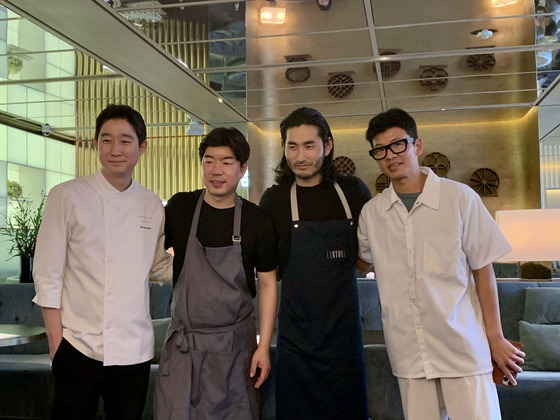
point(95, 250)
point(423, 260)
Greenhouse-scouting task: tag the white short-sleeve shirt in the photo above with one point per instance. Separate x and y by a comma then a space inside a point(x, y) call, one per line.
point(95, 249)
point(423, 261)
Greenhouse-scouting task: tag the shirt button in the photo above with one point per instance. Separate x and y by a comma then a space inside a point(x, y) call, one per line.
point(413, 300)
point(418, 327)
point(410, 251)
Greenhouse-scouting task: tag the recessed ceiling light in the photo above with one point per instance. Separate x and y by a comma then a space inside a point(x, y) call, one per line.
point(484, 33)
point(502, 3)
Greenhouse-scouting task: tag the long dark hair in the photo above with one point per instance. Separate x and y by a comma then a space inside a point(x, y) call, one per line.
point(305, 116)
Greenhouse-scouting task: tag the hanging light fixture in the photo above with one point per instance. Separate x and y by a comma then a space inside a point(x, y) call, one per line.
point(275, 15)
point(502, 3)
point(485, 34)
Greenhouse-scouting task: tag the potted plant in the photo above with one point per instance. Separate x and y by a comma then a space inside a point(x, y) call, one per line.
point(14, 189)
point(22, 227)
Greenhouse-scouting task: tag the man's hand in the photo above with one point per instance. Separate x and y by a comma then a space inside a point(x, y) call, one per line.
point(261, 359)
point(53, 326)
point(54, 343)
point(507, 357)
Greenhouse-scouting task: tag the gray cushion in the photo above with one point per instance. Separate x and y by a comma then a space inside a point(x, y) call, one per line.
point(542, 346)
point(160, 331)
point(370, 308)
point(511, 296)
point(542, 305)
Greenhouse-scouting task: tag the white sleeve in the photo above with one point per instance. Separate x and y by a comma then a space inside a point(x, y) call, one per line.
point(162, 266)
point(364, 250)
point(483, 241)
point(49, 261)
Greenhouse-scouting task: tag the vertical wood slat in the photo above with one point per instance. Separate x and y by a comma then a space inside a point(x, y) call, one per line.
point(171, 162)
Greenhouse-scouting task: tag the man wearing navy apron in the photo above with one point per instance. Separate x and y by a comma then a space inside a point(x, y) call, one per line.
point(211, 365)
point(320, 362)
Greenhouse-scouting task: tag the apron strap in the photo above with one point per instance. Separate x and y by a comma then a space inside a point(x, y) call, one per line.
point(294, 206)
point(343, 200)
point(293, 202)
point(236, 237)
point(196, 216)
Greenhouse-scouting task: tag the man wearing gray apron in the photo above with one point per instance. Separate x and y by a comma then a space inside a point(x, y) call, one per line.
point(208, 368)
point(320, 362)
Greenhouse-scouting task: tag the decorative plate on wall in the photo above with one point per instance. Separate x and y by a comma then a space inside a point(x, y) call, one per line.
point(382, 182)
point(438, 163)
point(485, 182)
point(389, 69)
point(344, 165)
point(481, 62)
point(297, 74)
point(340, 85)
point(433, 78)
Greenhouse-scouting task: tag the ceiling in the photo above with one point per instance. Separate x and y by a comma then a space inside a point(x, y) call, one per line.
point(438, 68)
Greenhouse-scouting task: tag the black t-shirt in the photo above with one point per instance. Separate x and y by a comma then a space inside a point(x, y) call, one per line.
point(215, 229)
point(318, 203)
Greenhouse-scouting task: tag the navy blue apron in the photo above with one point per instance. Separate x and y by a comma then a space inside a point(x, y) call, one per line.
point(320, 360)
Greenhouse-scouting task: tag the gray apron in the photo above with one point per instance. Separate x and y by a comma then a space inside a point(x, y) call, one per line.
point(205, 362)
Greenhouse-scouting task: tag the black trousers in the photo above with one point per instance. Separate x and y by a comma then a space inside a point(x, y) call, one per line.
point(79, 382)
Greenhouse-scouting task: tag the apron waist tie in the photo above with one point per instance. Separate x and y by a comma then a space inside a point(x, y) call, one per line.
point(182, 341)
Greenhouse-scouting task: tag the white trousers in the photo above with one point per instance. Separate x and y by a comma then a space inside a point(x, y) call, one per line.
point(465, 398)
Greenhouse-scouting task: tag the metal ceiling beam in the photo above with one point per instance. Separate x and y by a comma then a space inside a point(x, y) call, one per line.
point(415, 111)
point(93, 27)
point(375, 49)
point(381, 58)
point(30, 126)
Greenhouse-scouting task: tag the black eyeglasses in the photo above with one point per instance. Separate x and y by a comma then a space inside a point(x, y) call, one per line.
point(396, 147)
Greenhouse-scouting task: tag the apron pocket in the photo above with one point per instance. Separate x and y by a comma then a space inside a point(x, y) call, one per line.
point(220, 381)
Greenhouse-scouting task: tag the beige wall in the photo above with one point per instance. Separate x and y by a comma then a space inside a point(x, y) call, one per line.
point(266, 152)
point(510, 148)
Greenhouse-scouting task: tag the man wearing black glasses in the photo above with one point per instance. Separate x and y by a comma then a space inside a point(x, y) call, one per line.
point(432, 243)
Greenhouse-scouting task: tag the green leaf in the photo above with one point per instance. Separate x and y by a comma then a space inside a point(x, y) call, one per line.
point(22, 227)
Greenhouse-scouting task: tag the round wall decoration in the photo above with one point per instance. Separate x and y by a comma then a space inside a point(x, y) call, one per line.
point(340, 85)
point(382, 182)
point(434, 79)
point(485, 182)
point(344, 165)
point(481, 62)
point(388, 68)
point(297, 74)
point(438, 163)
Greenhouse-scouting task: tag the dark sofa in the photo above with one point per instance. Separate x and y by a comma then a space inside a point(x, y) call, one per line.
point(26, 379)
point(26, 384)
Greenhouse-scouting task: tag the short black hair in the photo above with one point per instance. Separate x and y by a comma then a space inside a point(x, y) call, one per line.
point(230, 137)
point(122, 112)
point(394, 117)
point(297, 118)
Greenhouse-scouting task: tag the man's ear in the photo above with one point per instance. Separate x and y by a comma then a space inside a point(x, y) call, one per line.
point(328, 146)
point(244, 169)
point(419, 146)
point(143, 147)
point(95, 144)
